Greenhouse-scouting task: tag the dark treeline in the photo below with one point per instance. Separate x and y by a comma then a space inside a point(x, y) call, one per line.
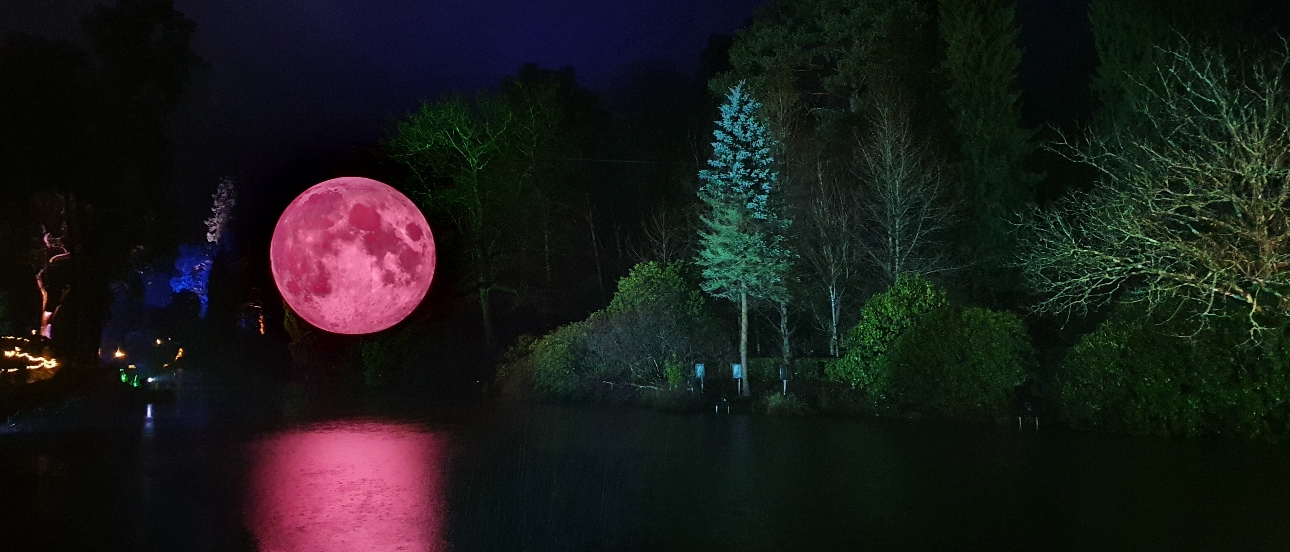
point(871, 218)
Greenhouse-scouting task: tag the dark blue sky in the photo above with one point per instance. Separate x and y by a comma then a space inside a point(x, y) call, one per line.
point(290, 77)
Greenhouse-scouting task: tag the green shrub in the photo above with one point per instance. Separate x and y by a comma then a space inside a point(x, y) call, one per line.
point(776, 404)
point(1148, 375)
point(961, 363)
point(559, 363)
point(884, 317)
point(675, 373)
point(651, 283)
point(656, 326)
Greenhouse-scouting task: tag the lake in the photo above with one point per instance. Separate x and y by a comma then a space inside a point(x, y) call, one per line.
point(223, 470)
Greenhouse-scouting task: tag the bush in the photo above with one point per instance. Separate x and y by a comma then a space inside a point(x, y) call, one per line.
point(884, 317)
point(1136, 374)
point(656, 326)
point(776, 404)
point(559, 363)
point(961, 363)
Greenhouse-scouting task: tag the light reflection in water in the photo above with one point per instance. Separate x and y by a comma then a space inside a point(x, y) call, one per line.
point(348, 486)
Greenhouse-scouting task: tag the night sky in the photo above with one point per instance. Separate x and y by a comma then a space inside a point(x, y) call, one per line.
point(289, 82)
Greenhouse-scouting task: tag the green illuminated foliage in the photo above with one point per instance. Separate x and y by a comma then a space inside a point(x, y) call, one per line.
point(654, 328)
point(742, 247)
point(887, 315)
point(652, 282)
point(1151, 374)
point(962, 363)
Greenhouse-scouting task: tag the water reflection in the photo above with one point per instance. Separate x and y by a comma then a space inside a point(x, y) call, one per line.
point(359, 485)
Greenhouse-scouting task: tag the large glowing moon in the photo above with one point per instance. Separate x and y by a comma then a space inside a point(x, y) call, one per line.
point(352, 255)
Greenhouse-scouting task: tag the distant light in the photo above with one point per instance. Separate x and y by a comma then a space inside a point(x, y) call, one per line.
point(158, 342)
point(179, 354)
point(119, 353)
point(131, 366)
point(150, 406)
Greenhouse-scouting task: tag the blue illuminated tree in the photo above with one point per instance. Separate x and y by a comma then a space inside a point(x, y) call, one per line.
point(743, 251)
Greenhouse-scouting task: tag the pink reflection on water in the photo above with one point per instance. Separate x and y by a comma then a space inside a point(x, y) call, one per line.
point(348, 486)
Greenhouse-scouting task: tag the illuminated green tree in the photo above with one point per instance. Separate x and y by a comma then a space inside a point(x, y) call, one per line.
point(742, 248)
point(486, 163)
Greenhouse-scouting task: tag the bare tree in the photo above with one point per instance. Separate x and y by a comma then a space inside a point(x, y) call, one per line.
point(831, 249)
point(903, 200)
point(1192, 210)
point(663, 238)
point(48, 252)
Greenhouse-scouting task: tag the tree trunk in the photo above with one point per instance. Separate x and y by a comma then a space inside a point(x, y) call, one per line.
point(834, 313)
point(743, 341)
point(546, 240)
point(784, 346)
point(487, 316)
point(595, 253)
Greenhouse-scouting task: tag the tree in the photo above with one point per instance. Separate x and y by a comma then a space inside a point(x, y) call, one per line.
point(1189, 210)
point(458, 140)
point(903, 199)
point(94, 133)
point(831, 250)
point(222, 202)
point(50, 254)
point(742, 248)
point(1131, 36)
point(981, 60)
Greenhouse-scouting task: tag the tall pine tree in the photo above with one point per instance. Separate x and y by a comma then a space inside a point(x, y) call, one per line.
point(981, 60)
point(742, 250)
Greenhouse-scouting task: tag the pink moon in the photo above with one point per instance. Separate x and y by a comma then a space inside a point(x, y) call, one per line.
point(352, 256)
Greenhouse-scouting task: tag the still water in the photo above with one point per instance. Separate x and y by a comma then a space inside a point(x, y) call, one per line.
point(197, 476)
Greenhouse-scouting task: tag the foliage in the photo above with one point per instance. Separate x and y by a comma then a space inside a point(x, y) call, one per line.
point(560, 365)
point(93, 128)
point(653, 329)
point(481, 162)
point(883, 319)
point(981, 61)
point(742, 248)
point(674, 372)
point(962, 363)
point(1192, 209)
point(222, 202)
point(776, 404)
point(1136, 374)
point(1131, 38)
point(653, 282)
point(804, 55)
